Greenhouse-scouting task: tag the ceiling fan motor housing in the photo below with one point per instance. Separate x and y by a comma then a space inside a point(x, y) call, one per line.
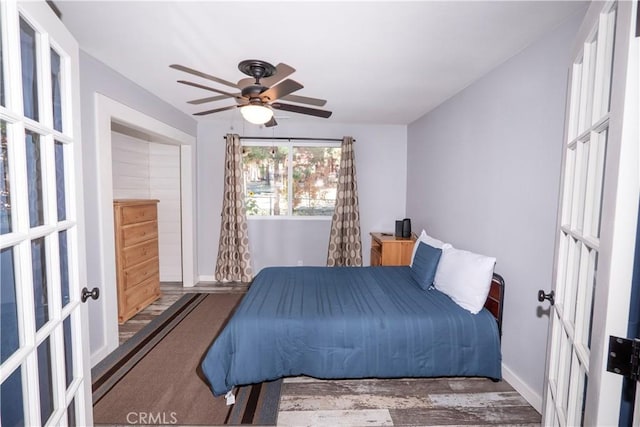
point(256, 68)
point(253, 92)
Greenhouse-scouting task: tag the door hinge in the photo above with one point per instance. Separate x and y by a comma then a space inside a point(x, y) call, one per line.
point(623, 357)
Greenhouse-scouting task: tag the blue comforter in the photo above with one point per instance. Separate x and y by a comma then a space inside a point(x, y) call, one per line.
point(349, 322)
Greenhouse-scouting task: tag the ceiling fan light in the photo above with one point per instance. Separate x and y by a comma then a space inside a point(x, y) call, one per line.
point(256, 114)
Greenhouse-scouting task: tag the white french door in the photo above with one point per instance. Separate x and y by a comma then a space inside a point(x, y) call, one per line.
point(596, 222)
point(44, 370)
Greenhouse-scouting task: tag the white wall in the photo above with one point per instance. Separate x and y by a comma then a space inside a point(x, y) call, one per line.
point(484, 173)
point(130, 167)
point(381, 157)
point(164, 185)
point(95, 77)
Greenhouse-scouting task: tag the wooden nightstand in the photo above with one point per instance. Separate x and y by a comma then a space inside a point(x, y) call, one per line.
point(386, 249)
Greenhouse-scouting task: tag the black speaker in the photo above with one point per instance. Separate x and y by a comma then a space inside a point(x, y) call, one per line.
point(406, 227)
point(399, 228)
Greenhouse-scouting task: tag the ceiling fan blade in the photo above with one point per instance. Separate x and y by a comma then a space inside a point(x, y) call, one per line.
point(271, 123)
point(217, 110)
point(247, 81)
point(208, 99)
point(282, 72)
point(230, 95)
point(305, 100)
point(203, 75)
point(302, 110)
point(283, 88)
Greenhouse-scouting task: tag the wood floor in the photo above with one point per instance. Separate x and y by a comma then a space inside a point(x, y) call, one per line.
point(373, 402)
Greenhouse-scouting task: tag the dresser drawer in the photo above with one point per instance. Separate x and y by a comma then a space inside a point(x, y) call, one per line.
point(138, 253)
point(138, 233)
point(138, 213)
point(137, 274)
point(135, 299)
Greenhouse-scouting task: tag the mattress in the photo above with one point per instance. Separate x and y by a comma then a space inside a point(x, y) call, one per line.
point(349, 322)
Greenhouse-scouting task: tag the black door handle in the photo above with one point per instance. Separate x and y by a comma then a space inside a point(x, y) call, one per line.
point(550, 296)
point(86, 294)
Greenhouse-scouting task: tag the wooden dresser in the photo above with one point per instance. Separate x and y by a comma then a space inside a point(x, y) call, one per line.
point(137, 265)
point(386, 249)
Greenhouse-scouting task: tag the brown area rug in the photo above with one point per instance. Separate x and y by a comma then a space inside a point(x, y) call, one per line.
point(155, 377)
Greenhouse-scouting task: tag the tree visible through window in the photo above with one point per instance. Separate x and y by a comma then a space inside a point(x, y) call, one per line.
point(287, 179)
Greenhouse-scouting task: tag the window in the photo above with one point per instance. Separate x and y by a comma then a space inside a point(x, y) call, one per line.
point(284, 179)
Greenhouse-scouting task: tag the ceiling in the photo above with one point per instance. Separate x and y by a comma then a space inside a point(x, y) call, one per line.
point(374, 62)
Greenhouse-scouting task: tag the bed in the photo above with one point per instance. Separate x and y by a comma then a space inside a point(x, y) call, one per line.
point(352, 322)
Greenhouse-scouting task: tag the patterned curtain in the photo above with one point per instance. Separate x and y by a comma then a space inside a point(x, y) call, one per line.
point(345, 245)
point(234, 260)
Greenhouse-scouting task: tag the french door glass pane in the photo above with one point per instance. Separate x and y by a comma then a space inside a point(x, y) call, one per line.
point(2, 96)
point(587, 84)
point(5, 188)
point(602, 159)
point(71, 414)
point(61, 196)
point(565, 364)
point(605, 54)
point(68, 350)
point(584, 399)
point(568, 186)
point(589, 283)
point(9, 337)
point(34, 178)
point(11, 406)
point(593, 292)
point(56, 97)
point(572, 287)
point(40, 295)
point(45, 380)
point(64, 268)
point(29, 70)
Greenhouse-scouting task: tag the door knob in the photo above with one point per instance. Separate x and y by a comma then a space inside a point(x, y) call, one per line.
point(550, 296)
point(86, 294)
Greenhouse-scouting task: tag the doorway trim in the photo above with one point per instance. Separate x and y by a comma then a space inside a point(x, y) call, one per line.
point(108, 111)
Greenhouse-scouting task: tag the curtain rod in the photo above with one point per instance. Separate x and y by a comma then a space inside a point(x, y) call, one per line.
point(287, 138)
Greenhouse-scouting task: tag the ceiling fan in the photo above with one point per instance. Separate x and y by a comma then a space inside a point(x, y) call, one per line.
point(259, 94)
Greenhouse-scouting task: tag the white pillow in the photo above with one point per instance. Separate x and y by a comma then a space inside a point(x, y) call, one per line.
point(465, 276)
point(424, 237)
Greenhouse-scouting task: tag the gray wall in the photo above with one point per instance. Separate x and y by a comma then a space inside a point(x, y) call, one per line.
point(97, 77)
point(483, 174)
point(381, 157)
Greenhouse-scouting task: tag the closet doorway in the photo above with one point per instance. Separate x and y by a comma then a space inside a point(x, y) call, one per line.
point(144, 168)
point(125, 123)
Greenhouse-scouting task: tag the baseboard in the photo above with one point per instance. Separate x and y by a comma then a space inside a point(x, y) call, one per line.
point(521, 387)
point(99, 354)
point(207, 278)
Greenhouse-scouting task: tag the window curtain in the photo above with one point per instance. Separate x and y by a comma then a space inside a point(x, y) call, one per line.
point(234, 260)
point(345, 245)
